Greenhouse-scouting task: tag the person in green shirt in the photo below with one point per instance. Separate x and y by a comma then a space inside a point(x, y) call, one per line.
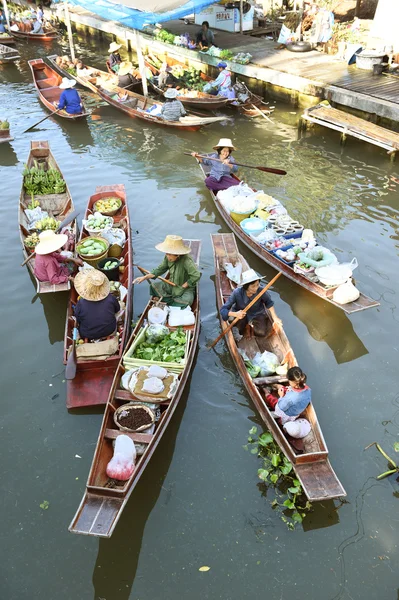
point(182, 271)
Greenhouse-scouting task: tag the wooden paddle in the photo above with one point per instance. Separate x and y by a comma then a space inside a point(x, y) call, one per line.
point(161, 278)
point(71, 217)
point(212, 344)
point(41, 120)
point(265, 169)
point(70, 369)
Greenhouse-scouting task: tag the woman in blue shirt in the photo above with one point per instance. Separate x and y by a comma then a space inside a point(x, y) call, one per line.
point(69, 100)
point(294, 399)
point(220, 177)
point(255, 321)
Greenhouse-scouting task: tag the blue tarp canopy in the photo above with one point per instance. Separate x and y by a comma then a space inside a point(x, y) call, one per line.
point(135, 13)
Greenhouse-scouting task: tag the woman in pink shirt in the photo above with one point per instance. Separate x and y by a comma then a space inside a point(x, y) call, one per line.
point(49, 264)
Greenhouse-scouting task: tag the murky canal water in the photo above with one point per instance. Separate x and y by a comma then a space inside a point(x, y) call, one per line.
point(199, 502)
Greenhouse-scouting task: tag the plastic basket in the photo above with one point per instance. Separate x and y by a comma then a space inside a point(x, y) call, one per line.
point(282, 259)
point(130, 362)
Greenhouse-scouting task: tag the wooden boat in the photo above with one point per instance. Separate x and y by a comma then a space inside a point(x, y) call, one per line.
point(47, 83)
point(88, 81)
point(136, 106)
point(7, 39)
point(103, 501)
point(47, 36)
point(312, 467)
point(8, 55)
point(271, 259)
point(57, 205)
point(93, 379)
point(210, 102)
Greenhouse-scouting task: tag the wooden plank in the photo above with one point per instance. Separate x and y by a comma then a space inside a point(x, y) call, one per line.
point(139, 438)
point(320, 481)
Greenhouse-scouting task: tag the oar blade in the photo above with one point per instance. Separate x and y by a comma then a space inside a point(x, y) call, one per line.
point(70, 369)
point(271, 170)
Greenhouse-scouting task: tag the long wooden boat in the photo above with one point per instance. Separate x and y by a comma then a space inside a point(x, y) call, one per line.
point(8, 55)
point(312, 467)
point(137, 105)
point(47, 36)
point(87, 82)
point(93, 379)
point(271, 259)
point(7, 39)
point(246, 108)
point(104, 501)
point(58, 206)
point(47, 82)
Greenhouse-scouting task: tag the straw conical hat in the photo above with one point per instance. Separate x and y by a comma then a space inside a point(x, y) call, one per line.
point(225, 143)
point(50, 241)
point(125, 67)
point(114, 47)
point(92, 285)
point(173, 244)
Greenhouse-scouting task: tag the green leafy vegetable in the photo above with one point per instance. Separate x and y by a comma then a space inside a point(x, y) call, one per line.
point(171, 348)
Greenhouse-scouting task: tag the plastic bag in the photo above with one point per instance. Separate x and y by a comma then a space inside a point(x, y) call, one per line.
point(252, 369)
point(125, 379)
point(115, 236)
point(336, 274)
point(36, 214)
point(121, 465)
point(298, 428)
point(156, 371)
point(268, 363)
point(180, 316)
point(157, 316)
point(234, 273)
point(153, 385)
point(266, 236)
point(318, 257)
point(346, 293)
point(226, 196)
point(155, 333)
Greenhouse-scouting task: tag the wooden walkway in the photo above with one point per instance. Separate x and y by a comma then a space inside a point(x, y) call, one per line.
point(347, 124)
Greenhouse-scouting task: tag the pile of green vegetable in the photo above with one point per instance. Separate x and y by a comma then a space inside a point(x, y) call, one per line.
point(91, 247)
point(38, 182)
point(165, 36)
point(189, 76)
point(170, 347)
point(110, 264)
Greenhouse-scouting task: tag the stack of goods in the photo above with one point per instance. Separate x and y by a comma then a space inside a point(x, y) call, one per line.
point(97, 223)
point(243, 58)
point(108, 206)
point(31, 241)
point(158, 345)
point(38, 182)
point(66, 64)
point(263, 364)
point(190, 77)
point(154, 383)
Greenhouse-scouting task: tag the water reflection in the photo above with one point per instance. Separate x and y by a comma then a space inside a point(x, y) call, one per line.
point(54, 308)
point(8, 158)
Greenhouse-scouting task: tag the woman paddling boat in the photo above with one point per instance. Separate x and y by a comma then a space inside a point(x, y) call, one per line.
point(183, 272)
point(49, 263)
point(220, 177)
point(69, 100)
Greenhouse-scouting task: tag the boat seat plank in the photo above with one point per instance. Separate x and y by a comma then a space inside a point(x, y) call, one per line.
point(320, 480)
point(97, 515)
point(139, 438)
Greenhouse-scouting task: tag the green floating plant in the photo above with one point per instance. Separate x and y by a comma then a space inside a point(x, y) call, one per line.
point(395, 467)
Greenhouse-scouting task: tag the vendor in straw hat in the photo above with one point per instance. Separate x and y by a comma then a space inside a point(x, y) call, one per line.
point(166, 79)
point(125, 77)
point(172, 109)
point(96, 308)
point(219, 177)
point(182, 271)
point(255, 321)
point(114, 59)
point(50, 265)
point(69, 100)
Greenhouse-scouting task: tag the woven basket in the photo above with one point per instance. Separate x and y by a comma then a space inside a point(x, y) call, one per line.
point(111, 213)
point(93, 260)
point(129, 407)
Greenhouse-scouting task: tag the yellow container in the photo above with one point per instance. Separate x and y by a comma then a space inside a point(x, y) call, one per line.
point(115, 251)
point(238, 217)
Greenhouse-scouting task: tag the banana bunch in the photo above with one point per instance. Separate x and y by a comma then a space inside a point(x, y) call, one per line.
point(32, 240)
point(33, 203)
point(38, 182)
point(47, 223)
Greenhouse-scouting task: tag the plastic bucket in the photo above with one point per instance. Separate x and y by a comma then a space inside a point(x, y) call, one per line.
point(238, 217)
point(112, 274)
point(253, 226)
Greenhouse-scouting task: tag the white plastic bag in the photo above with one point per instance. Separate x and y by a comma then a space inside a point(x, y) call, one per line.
point(268, 363)
point(153, 385)
point(298, 428)
point(36, 214)
point(336, 274)
point(180, 316)
point(346, 293)
point(234, 273)
point(125, 379)
point(266, 236)
point(156, 371)
point(121, 465)
point(227, 196)
point(115, 236)
point(157, 316)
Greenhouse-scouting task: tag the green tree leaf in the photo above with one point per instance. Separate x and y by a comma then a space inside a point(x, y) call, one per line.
point(285, 469)
point(296, 482)
point(254, 451)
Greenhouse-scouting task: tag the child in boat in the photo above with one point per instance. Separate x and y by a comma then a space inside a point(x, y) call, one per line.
point(294, 399)
point(220, 177)
point(50, 264)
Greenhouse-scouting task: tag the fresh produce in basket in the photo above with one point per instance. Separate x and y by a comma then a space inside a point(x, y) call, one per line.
point(47, 223)
point(98, 222)
point(114, 286)
point(171, 348)
point(33, 203)
point(110, 264)
point(38, 182)
point(156, 332)
point(287, 255)
point(106, 205)
point(32, 240)
point(91, 247)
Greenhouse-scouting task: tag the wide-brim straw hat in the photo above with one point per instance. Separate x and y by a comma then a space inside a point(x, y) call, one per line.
point(125, 67)
point(114, 47)
point(224, 143)
point(50, 242)
point(250, 276)
point(173, 244)
point(171, 93)
point(92, 285)
point(66, 83)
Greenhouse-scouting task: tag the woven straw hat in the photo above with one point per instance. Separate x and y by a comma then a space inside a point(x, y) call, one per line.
point(171, 93)
point(66, 83)
point(125, 67)
point(114, 47)
point(92, 285)
point(225, 143)
point(250, 276)
point(50, 242)
point(173, 244)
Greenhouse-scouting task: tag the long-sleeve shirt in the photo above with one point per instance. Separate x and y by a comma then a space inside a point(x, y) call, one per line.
point(182, 270)
point(97, 319)
point(218, 169)
point(37, 27)
point(114, 59)
point(50, 267)
point(127, 80)
point(206, 37)
point(70, 100)
point(239, 300)
point(223, 80)
point(172, 111)
point(295, 401)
